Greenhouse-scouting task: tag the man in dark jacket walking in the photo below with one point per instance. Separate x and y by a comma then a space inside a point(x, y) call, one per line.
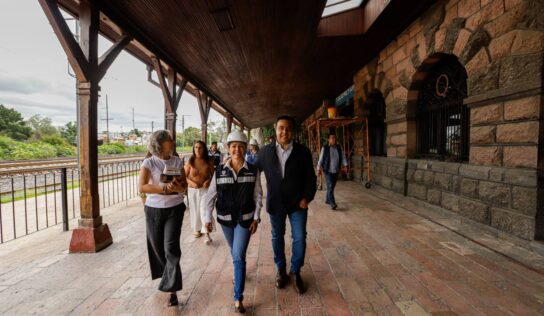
point(331, 161)
point(291, 184)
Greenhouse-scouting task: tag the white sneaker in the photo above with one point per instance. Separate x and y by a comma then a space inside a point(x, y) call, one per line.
point(208, 240)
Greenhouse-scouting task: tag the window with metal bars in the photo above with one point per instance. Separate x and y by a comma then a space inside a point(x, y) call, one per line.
point(443, 119)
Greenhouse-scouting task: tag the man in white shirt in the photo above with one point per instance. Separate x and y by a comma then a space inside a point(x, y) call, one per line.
point(291, 184)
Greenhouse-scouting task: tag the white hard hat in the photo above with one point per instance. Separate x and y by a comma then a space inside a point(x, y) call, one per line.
point(254, 142)
point(237, 136)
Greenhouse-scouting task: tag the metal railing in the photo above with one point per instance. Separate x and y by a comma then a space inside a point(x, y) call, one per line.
point(37, 198)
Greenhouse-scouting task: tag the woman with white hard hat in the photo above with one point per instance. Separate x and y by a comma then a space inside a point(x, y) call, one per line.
point(251, 154)
point(236, 193)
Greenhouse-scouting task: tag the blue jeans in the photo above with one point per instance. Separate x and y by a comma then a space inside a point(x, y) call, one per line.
point(298, 221)
point(238, 240)
point(331, 179)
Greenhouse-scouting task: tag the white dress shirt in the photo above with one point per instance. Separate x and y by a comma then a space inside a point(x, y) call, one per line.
point(211, 196)
point(283, 155)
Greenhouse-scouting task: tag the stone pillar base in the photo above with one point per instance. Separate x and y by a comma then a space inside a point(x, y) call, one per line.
point(88, 239)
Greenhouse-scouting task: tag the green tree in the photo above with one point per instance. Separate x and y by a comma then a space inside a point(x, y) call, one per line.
point(41, 127)
point(268, 131)
point(69, 132)
point(135, 132)
point(13, 125)
point(216, 131)
point(191, 135)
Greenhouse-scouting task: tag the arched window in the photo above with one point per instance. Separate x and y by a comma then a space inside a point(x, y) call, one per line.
point(376, 123)
point(443, 119)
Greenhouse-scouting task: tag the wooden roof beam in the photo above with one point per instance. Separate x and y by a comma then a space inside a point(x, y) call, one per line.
point(105, 61)
point(71, 47)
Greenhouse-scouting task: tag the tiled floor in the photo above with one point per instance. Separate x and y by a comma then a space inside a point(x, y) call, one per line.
point(369, 257)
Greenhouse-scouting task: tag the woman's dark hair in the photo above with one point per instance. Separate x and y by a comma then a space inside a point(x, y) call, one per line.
point(205, 155)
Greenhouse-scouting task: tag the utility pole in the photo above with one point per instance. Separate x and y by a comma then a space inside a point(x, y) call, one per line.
point(183, 127)
point(133, 125)
point(107, 119)
point(152, 126)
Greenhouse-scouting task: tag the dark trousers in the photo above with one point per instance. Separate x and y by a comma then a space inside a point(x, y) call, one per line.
point(163, 227)
point(331, 179)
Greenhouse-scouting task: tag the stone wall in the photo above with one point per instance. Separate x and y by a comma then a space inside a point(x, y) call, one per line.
point(504, 198)
point(500, 43)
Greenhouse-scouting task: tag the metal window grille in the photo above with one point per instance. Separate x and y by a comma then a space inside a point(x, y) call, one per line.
point(443, 119)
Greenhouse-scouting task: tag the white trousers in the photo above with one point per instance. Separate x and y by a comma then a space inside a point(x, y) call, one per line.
point(197, 208)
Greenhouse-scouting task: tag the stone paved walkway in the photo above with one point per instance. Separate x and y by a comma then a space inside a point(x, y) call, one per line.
point(369, 257)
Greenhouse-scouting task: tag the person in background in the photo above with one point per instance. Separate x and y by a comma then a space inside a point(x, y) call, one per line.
point(199, 171)
point(215, 154)
point(164, 209)
point(251, 154)
point(331, 161)
point(236, 193)
point(291, 186)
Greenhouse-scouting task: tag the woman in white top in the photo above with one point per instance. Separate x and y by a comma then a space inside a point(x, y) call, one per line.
point(164, 210)
point(236, 193)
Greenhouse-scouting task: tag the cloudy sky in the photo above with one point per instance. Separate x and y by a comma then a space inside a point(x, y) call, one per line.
point(34, 76)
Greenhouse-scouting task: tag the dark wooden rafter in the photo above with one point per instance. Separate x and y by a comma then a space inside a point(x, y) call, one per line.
point(172, 89)
point(83, 57)
point(229, 124)
point(204, 106)
point(75, 54)
point(181, 88)
point(168, 99)
point(105, 61)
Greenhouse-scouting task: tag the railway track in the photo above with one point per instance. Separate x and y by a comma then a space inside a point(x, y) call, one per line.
point(11, 167)
point(54, 161)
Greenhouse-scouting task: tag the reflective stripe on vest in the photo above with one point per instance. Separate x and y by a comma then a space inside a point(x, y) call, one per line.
point(226, 180)
point(225, 217)
point(248, 216)
point(245, 179)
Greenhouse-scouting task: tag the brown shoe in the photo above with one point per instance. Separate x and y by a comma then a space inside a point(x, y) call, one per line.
point(239, 308)
point(281, 278)
point(298, 284)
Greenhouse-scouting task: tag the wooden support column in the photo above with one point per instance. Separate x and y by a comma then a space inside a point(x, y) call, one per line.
point(204, 105)
point(91, 235)
point(171, 92)
point(229, 124)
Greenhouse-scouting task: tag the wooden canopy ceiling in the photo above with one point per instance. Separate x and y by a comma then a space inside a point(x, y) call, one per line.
point(259, 58)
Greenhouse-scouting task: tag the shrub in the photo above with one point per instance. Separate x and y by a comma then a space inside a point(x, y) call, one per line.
point(112, 149)
point(136, 149)
point(24, 151)
point(66, 151)
point(55, 140)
